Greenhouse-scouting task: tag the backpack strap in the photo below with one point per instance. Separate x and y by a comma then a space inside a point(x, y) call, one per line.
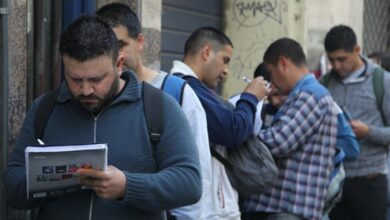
point(220, 158)
point(153, 110)
point(325, 80)
point(44, 111)
point(377, 83)
point(174, 86)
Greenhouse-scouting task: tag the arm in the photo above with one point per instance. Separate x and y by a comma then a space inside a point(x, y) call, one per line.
point(196, 116)
point(297, 119)
point(178, 181)
point(226, 126)
point(15, 173)
point(380, 133)
point(346, 139)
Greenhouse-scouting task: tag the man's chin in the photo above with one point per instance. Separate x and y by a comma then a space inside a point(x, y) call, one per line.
point(93, 108)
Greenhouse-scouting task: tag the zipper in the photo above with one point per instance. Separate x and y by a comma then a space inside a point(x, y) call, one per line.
point(90, 207)
point(95, 118)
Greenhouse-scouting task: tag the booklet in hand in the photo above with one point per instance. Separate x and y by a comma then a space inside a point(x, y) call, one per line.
point(51, 170)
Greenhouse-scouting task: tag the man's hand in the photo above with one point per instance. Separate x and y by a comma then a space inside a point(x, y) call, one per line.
point(359, 128)
point(258, 88)
point(109, 184)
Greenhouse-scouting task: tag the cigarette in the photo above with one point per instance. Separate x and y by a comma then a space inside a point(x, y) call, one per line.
point(246, 79)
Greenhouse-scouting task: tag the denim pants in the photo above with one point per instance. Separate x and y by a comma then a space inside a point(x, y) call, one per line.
point(364, 198)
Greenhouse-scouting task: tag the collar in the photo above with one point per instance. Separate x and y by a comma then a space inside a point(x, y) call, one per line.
point(368, 70)
point(131, 92)
point(180, 67)
point(307, 78)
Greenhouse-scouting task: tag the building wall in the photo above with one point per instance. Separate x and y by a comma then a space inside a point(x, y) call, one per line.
point(323, 15)
point(17, 76)
point(252, 25)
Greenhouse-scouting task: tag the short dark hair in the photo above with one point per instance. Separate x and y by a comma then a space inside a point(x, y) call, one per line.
point(261, 70)
point(205, 35)
point(285, 47)
point(117, 14)
point(88, 37)
point(340, 37)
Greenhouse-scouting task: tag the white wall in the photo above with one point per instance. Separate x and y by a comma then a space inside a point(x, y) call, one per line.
point(323, 15)
point(253, 25)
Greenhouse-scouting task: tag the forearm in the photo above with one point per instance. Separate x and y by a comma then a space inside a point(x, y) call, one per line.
point(379, 135)
point(167, 189)
point(230, 127)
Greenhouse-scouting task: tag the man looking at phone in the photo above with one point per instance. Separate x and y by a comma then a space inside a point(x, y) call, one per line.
point(351, 86)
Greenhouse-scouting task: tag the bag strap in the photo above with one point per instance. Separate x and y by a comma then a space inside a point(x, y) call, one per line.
point(326, 79)
point(220, 158)
point(174, 86)
point(377, 83)
point(44, 111)
point(153, 110)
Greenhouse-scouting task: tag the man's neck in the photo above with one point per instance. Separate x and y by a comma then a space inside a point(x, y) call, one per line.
point(194, 66)
point(360, 63)
point(145, 74)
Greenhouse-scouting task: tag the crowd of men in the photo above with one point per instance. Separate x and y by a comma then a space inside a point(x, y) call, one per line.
point(172, 175)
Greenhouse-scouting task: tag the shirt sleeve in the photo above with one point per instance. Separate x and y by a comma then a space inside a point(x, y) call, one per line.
point(227, 125)
point(178, 180)
point(294, 123)
point(15, 174)
point(381, 133)
point(196, 116)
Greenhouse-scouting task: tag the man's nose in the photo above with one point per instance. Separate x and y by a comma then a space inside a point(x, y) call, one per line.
point(336, 65)
point(86, 89)
point(225, 71)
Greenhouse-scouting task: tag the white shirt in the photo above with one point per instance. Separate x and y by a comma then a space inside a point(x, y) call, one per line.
point(222, 198)
point(196, 116)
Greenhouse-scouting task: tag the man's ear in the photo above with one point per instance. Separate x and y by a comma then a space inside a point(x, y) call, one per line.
point(140, 42)
point(119, 64)
point(206, 52)
point(283, 62)
point(356, 49)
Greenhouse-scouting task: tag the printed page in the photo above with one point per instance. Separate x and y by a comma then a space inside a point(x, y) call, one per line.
point(51, 170)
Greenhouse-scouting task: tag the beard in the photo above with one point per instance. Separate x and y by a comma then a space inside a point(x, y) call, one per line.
point(95, 103)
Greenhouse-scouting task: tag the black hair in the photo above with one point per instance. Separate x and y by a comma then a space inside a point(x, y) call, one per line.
point(286, 47)
point(261, 70)
point(117, 14)
point(88, 37)
point(205, 35)
point(340, 37)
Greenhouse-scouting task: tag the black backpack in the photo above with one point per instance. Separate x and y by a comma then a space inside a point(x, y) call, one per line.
point(153, 110)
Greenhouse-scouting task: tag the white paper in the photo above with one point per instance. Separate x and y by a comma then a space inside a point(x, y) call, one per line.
point(51, 170)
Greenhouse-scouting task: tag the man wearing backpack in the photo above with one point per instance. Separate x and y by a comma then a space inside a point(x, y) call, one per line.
point(351, 83)
point(127, 28)
point(99, 104)
point(207, 54)
point(301, 138)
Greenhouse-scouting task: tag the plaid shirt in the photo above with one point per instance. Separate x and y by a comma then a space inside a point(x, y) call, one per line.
point(301, 139)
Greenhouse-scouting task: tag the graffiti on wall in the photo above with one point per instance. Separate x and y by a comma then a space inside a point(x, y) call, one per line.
point(257, 24)
point(255, 13)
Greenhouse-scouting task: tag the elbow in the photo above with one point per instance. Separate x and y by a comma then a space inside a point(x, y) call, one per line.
point(196, 191)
